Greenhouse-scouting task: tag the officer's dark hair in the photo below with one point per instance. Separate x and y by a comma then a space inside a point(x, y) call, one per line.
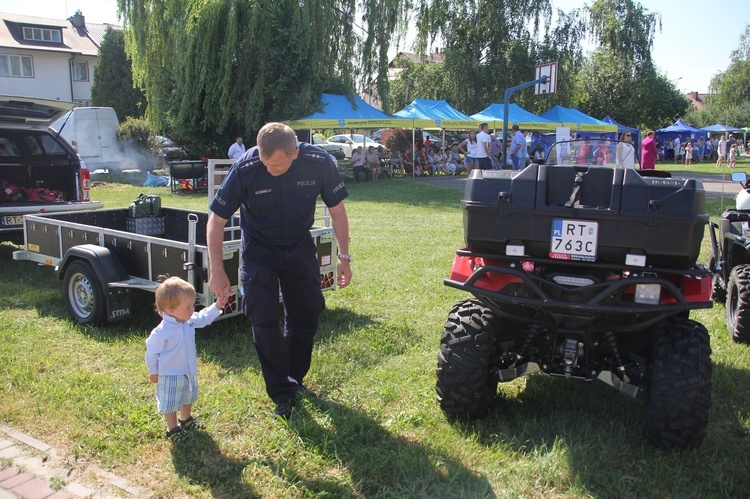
point(274, 137)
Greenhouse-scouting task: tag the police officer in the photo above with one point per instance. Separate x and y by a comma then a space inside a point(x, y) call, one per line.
point(275, 185)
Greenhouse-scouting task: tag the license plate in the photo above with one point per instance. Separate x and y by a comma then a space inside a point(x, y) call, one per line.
point(574, 240)
point(12, 220)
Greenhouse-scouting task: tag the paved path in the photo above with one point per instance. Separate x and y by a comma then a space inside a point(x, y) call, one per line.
point(30, 468)
point(716, 185)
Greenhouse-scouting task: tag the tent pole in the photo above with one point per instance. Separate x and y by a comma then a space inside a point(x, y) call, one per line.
point(413, 148)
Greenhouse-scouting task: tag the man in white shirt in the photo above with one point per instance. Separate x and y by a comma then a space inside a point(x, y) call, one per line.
point(485, 143)
point(237, 149)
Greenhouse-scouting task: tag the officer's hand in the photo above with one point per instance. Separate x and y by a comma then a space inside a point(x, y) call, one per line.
point(218, 282)
point(345, 273)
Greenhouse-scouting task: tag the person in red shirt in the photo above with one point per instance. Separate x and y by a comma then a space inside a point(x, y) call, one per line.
point(648, 152)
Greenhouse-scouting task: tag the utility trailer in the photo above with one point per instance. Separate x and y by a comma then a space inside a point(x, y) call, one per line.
point(100, 261)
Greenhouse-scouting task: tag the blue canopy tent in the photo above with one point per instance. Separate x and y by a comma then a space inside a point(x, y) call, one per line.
point(436, 114)
point(722, 129)
point(340, 112)
point(578, 121)
point(680, 128)
point(494, 115)
point(622, 128)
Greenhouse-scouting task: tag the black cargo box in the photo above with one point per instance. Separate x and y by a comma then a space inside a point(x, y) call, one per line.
point(660, 218)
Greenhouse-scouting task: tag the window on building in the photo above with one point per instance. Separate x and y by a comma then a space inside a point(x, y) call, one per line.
point(20, 66)
point(42, 34)
point(80, 71)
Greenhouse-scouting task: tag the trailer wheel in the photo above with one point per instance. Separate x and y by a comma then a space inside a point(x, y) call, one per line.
point(680, 386)
point(465, 386)
point(83, 294)
point(738, 304)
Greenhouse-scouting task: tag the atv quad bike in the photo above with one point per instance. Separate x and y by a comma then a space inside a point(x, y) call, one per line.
point(731, 263)
point(582, 271)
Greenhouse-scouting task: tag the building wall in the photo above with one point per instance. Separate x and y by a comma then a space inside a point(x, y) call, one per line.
point(52, 77)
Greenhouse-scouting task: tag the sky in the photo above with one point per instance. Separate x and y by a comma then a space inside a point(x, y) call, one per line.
point(695, 43)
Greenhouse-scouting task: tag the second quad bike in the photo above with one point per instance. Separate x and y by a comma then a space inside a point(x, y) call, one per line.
point(731, 263)
point(582, 270)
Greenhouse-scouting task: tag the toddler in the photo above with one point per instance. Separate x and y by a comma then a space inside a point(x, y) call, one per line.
point(171, 356)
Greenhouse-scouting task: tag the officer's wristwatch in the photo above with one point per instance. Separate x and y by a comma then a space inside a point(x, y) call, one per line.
point(345, 256)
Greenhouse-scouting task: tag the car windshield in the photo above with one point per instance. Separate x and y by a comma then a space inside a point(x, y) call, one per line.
point(318, 140)
point(593, 152)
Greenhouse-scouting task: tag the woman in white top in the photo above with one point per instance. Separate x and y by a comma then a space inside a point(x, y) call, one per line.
point(470, 147)
point(625, 154)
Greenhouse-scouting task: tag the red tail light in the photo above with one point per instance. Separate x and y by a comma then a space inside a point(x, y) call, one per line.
point(85, 184)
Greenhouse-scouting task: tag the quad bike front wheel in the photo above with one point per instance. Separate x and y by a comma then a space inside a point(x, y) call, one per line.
point(680, 386)
point(465, 385)
point(738, 304)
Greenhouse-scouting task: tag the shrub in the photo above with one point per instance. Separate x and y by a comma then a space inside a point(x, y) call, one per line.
point(136, 131)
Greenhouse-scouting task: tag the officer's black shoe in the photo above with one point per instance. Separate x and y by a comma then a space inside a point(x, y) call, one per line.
point(284, 408)
point(303, 391)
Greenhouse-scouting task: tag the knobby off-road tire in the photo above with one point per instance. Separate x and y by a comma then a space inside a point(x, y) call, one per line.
point(464, 384)
point(718, 286)
point(738, 304)
point(83, 294)
point(680, 388)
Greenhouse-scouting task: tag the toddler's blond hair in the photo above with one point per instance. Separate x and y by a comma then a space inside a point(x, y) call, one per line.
point(171, 292)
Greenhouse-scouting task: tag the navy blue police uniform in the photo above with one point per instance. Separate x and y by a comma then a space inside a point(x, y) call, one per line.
point(276, 214)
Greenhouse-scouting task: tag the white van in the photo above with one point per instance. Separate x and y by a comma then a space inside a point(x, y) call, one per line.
point(92, 132)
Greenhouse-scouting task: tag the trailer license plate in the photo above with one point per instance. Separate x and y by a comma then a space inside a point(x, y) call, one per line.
point(574, 240)
point(13, 220)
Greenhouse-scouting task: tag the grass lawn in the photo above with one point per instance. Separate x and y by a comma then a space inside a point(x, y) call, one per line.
point(375, 429)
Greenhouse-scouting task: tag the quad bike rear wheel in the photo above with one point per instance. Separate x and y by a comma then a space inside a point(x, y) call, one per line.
point(738, 304)
point(680, 387)
point(465, 385)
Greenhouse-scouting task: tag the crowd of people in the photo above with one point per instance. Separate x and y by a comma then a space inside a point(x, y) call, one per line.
point(687, 150)
point(481, 149)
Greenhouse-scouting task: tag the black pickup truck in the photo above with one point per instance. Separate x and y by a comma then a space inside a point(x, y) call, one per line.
point(39, 171)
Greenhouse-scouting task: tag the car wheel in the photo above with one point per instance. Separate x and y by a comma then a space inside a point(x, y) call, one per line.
point(738, 304)
point(465, 386)
point(680, 385)
point(83, 294)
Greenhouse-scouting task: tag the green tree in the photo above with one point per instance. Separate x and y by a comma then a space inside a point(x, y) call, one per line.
point(644, 98)
point(214, 69)
point(619, 78)
point(731, 88)
point(624, 27)
point(489, 45)
point(113, 78)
